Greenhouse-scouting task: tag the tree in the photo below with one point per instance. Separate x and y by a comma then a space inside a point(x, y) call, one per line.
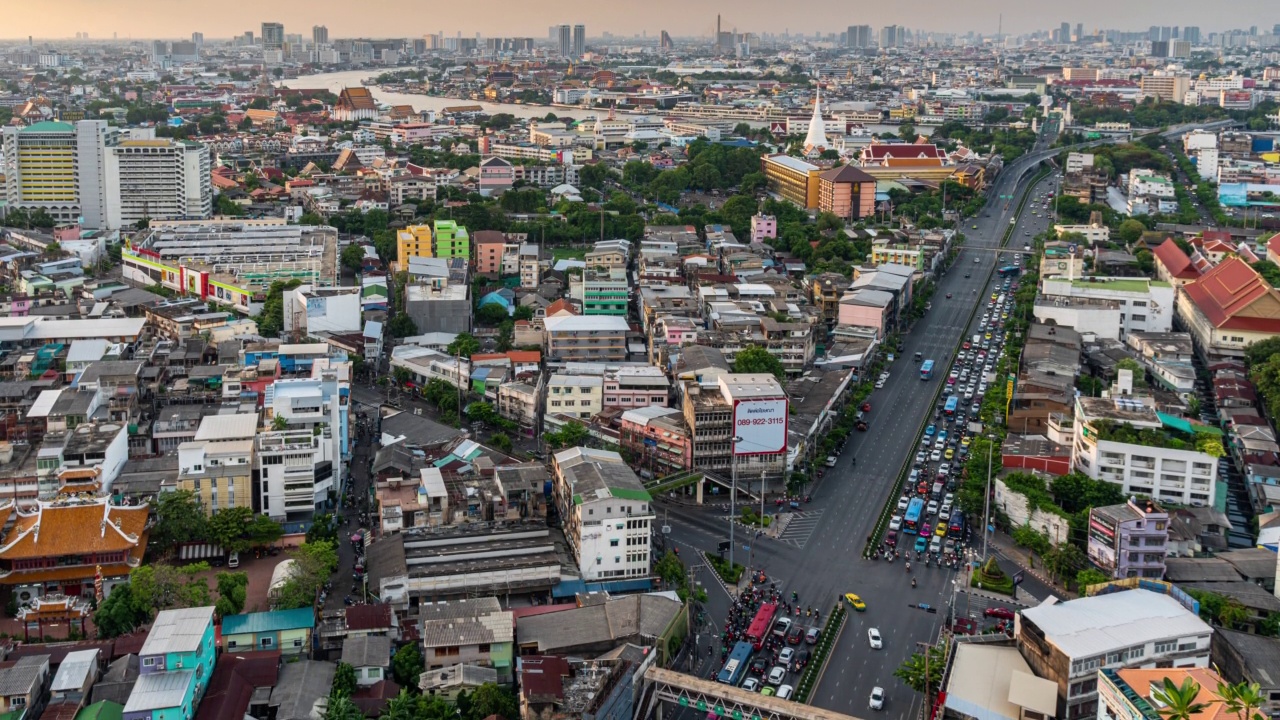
point(324, 527)
point(1243, 698)
point(118, 614)
point(1089, 576)
point(1178, 702)
point(263, 531)
point(401, 325)
point(491, 699)
point(465, 345)
point(232, 590)
point(492, 314)
point(1130, 231)
point(922, 672)
point(573, 434)
point(227, 528)
point(756, 359)
point(344, 681)
point(1064, 560)
point(353, 257)
point(407, 665)
point(500, 442)
point(341, 708)
point(179, 520)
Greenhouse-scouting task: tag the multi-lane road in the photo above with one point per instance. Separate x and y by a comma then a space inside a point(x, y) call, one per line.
point(819, 555)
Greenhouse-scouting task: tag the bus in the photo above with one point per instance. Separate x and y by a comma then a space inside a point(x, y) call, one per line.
point(758, 630)
point(926, 370)
point(1010, 271)
point(956, 525)
point(911, 523)
point(735, 668)
point(950, 407)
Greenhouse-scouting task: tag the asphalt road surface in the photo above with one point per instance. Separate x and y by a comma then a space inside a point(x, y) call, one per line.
point(819, 556)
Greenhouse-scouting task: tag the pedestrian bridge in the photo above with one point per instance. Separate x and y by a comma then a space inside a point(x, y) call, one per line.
point(726, 701)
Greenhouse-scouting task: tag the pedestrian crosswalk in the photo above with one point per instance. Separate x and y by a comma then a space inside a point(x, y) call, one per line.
point(800, 527)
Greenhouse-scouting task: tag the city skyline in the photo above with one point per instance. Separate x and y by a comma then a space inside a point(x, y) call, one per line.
point(62, 19)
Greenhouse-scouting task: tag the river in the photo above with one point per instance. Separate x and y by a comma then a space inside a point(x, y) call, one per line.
point(335, 81)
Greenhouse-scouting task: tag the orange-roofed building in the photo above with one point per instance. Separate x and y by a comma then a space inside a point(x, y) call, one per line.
point(1273, 249)
point(58, 547)
point(1228, 309)
point(1130, 694)
point(1173, 265)
point(355, 103)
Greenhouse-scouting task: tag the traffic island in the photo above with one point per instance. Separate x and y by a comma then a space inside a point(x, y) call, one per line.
point(991, 578)
point(822, 653)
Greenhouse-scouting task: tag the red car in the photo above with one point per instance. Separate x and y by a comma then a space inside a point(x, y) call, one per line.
point(866, 407)
point(998, 612)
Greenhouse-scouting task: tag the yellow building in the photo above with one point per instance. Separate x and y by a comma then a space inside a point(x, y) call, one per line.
point(413, 241)
point(44, 161)
point(792, 178)
point(217, 466)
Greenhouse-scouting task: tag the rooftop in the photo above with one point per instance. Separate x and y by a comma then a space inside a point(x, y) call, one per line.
point(177, 631)
point(1094, 625)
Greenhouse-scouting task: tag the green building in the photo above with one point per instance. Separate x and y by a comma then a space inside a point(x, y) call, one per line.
point(452, 240)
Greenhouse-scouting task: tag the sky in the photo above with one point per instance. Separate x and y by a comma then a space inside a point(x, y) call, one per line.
point(143, 19)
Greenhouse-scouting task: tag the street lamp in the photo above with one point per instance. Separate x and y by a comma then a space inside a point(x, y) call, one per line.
point(733, 492)
point(986, 498)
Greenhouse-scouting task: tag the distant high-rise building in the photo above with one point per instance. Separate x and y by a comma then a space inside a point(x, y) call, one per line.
point(1160, 48)
point(579, 40)
point(858, 36)
point(1275, 29)
point(664, 41)
point(181, 51)
point(159, 50)
point(892, 36)
point(565, 36)
point(272, 36)
point(157, 179)
point(1191, 34)
point(247, 38)
point(198, 39)
point(320, 35)
point(1079, 32)
point(58, 167)
point(1064, 33)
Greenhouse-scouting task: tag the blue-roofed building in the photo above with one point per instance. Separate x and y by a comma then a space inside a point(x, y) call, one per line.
point(504, 298)
point(175, 664)
point(288, 631)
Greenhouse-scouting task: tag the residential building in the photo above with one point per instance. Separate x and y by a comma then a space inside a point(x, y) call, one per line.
point(439, 308)
point(792, 179)
point(58, 167)
point(413, 241)
point(451, 240)
point(491, 249)
point(763, 227)
point(288, 631)
point(658, 436)
point(1129, 540)
point(1068, 642)
point(598, 338)
point(575, 396)
point(1107, 307)
point(22, 686)
point(217, 465)
point(1249, 658)
point(475, 631)
point(1229, 308)
point(709, 401)
point(1123, 440)
point(1166, 87)
point(636, 386)
point(496, 176)
point(296, 470)
point(602, 292)
point(370, 655)
point(1173, 266)
point(175, 664)
point(606, 511)
point(316, 312)
point(847, 192)
point(1129, 693)
point(1093, 234)
point(157, 179)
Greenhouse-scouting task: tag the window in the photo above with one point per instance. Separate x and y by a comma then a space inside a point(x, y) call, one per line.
point(1115, 658)
point(374, 673)
point(266, 642)
point(148, 662)
point(1166, 647)
point(613, 542)
point(231, 644)
point(1137, 652)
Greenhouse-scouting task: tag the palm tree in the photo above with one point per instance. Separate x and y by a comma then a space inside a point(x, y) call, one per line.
point(1243, 699)
point(1178, 702)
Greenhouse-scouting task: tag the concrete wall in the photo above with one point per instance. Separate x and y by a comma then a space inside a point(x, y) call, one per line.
point(1014, 505)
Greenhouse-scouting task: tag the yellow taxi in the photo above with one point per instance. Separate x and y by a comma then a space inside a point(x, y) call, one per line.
point(950, 453)
point(941, 530)
point(964, 441)
point(855, 601)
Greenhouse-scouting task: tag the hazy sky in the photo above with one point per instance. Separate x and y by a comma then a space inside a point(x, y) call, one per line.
point(411, 18)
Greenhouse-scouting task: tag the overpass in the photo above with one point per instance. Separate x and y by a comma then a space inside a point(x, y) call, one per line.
point(726, 701)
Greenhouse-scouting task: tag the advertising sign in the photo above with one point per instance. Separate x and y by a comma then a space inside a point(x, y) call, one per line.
point(317, 307)
point(762, 425)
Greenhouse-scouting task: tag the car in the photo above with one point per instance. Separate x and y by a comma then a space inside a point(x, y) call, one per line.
point(233, 561)
point(795, 635)
point(949, 454)
point(877, 698)
point(922, 543)
point(786, 656)
point(811, 635)
point(966, 274)
point(758, 666)
point(945, 510)
point(784, 692)
point(931, 508)
point(903, 502)
point(920, 457)
point(895, 522)
point(751, 684)
point(767, 691)
point(977, 260)
point(873, 638)
point(964, 441)
point(935, 456)
point(975, 226)
point(781, 626)
point(831, 461)
point(948, 296)
point(879, 384)
point(930, 430)
point(1002, 613)
point(891, 539)
point(855, 601)
point(776, 675)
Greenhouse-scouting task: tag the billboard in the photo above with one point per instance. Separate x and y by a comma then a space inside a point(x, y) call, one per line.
point(762, 425)
point(317, 307)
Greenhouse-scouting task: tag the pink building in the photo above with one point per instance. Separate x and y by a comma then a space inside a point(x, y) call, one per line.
point(763, 227)
point(636, 387)
point(866, 308)
point(678, 331)
point(489, 246)
point(659, 438)
point(496, 175)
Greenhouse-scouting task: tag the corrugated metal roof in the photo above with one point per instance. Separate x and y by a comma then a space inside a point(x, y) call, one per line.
point(269, 621)
point(1095, 625)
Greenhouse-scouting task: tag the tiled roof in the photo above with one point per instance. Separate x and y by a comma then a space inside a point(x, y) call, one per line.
point(75, 529)
point(356, 98)
point(846, 174)
point(1175, 261)
point(897, 150)
point(1227, 292)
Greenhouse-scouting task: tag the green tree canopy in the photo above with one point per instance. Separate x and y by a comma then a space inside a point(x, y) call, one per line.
point(756, 359)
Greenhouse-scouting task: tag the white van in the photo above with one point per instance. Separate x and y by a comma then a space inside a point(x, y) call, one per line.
point(234, 560)
point(977, 338)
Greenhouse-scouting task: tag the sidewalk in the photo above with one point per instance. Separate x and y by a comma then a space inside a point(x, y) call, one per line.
point(1022, 558)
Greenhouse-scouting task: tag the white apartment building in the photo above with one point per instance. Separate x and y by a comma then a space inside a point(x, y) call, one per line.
point(1089, 305)
point(59, 168)
point(160, 178)
point(309, 310)
point(1122, 440)
point(1068, 642)
point(296, 473)
point(310, 403)
point(577, 396)
point(607, 514)
point(1093, 234)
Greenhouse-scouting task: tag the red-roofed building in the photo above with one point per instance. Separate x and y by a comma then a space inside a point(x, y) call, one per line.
point(902, 155)
point(1228, 309)
point(1273, 249)
point(1173, 266)
point(542, 679)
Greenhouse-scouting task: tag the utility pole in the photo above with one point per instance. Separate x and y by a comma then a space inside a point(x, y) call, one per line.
point(733, 493)
point(986, 498)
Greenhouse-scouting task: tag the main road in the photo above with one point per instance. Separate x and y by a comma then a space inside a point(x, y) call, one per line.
point(819, 555)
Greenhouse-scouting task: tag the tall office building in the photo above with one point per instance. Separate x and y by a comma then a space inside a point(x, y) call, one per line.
point(892, 36)
point(664, 41)
point(320, 35)
point(1064, 33)
point(579, 40)
point(1191, 34)
point(58, 167)
point(1079, 32)
point(247, 38)
point(198, 39)
point(272, 36)
point(161, 178)
point(565, 38)
point(858, 36)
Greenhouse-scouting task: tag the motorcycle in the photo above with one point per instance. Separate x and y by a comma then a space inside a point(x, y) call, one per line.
point(913, 582)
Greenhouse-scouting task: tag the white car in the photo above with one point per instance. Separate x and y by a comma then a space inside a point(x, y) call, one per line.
point(777, 675)
point(920, 457)
point(784, 692)
point(786, 656)
point(935, 456)
point(945, 510)
point(877, 698)
point(932, 508)
point(895, 522)
point(751, 684)
point(903, 503)
point(873, 637)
